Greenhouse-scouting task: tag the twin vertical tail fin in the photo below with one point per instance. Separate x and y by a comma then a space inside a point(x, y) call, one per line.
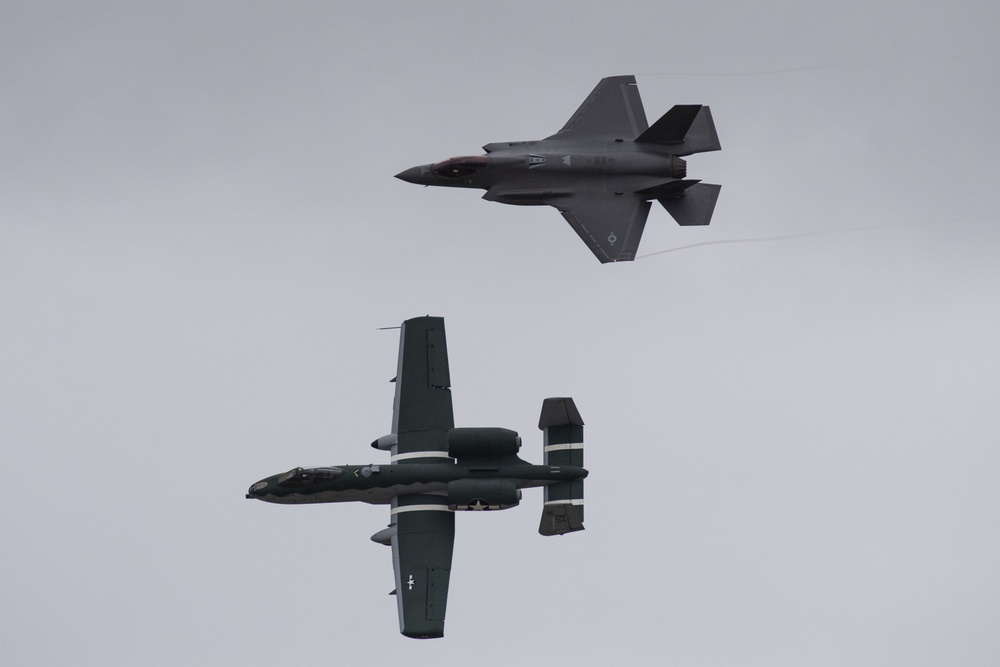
point(562, 425)
point(685, 129)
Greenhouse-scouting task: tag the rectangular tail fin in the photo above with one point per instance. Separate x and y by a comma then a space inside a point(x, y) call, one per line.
point(562, 425)
point(560, 519)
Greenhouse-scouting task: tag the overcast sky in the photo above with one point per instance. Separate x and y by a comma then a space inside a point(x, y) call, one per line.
point(793, 444)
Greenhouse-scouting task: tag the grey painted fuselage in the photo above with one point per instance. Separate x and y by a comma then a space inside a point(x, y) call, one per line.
point(533, 172)
point(600, 171)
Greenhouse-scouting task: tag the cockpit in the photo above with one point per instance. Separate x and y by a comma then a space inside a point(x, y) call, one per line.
point(460, 166)
point(307, 476)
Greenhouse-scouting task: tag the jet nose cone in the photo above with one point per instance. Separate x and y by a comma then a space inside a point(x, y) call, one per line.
point(257, 490)
point(412, 175)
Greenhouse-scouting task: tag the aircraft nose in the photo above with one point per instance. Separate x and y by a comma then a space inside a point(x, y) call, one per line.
point(412, 175)
point(256, 491)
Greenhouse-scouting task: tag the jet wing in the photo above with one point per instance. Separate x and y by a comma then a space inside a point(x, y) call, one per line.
point(422, 547)
point(423, 534)
point(614, 109)
point(421, 411)
point(611, 226)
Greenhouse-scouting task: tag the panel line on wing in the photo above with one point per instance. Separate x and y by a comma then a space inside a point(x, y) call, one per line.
point(613, 109)
point(611, 227)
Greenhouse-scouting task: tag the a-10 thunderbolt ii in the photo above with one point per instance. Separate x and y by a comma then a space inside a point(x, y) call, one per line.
point(601, 170)
point(435, 470)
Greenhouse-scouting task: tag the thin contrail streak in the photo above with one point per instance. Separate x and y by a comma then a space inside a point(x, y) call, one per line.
point(784, 237)
point(761, 72)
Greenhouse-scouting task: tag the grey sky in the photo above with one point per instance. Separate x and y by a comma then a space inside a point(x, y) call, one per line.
point(792, 444)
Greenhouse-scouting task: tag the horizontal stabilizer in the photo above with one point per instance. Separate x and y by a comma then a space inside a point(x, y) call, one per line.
point(562, 518)
point(696, 205)
point(686, 128)
point(672, 127)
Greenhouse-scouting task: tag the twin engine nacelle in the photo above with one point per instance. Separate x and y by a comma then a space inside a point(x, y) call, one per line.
point(482, 494)
point(472, 443)
point(483, 443)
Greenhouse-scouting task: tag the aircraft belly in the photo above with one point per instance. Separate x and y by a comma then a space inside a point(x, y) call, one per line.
point(373, 495)
point(576, 162)
point(382, 496)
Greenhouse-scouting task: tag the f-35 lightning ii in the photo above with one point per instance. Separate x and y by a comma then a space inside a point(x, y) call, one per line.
point(435, 470)
point(601, 170)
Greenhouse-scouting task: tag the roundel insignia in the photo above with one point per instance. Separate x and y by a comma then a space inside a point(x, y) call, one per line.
point(478, 505)
point(612, 239)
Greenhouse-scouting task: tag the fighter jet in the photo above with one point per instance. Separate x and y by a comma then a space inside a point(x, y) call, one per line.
point(435, 470)
point(601, 170)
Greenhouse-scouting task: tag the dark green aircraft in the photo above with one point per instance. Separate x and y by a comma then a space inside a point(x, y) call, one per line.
point(435, 470)
point(601, 170)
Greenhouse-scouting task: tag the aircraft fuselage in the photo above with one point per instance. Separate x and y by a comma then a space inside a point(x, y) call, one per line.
point(600, 171)
point(551, 168)
point(379, 484)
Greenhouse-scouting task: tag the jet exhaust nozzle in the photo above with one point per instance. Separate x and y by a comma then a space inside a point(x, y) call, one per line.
point(678, 167)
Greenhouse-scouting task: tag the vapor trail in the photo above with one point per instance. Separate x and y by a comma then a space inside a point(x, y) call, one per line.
point(761, 72)
point(784, 237)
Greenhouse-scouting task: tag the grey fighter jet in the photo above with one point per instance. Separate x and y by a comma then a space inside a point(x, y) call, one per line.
point(601, 170)
point(435, 470)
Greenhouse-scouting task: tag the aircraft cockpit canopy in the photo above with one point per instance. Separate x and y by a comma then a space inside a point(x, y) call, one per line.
point(460, 166)
point(305, 476)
